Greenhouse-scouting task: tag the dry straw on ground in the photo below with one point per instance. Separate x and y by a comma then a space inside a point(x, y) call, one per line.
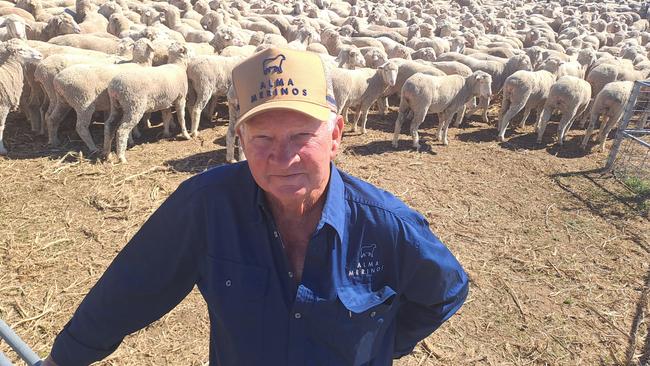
point(556, 253)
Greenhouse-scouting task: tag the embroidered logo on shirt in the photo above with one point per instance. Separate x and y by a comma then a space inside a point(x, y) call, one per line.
point(366, 264)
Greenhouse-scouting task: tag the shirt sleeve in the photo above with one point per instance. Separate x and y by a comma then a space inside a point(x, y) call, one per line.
point(149, 277)
point(434, 287)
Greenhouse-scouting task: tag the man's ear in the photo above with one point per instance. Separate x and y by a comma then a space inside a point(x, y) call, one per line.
point(337, 135)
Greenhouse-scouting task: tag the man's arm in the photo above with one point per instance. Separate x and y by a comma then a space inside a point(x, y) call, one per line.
point(148, 278)
point(435, 287)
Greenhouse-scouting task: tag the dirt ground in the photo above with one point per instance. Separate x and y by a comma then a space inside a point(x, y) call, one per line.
point(557, 254)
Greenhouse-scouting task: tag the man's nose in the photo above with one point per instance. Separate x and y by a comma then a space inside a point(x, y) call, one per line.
point(284, 154)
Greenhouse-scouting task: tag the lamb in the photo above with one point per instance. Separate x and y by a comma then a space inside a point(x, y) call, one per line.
point(570, 96)
point(362, 88)
point(444, 95)
point(610, 103)
point(134, 93)
point(524, 89)
point(209, 78)
point(373, 56)
point(84, 88)
point(13, 55)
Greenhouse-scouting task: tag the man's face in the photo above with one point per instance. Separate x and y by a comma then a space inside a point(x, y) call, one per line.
point(289, 153)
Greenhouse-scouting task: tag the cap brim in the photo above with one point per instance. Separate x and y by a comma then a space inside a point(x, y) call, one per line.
point(316, 111)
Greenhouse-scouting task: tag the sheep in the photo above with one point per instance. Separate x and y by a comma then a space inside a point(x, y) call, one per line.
point(406, 68)
point(209, 78)
point(362, 87)
point(350, 58)
point(84, 89)
point(191, 34)
point(523, 89)
point(91, 42)
point(373, 56)
point(452, 68)
point(570, 95)
point(134, 93)
point(610, 103)
point(47, 69)
point(498, 70)
point(55, 26)
point(88, 19)
point(444, 95)
point(13, 55)
point(14, 28)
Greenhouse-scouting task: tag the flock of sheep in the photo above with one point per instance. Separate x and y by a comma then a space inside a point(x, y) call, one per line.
point(129, 58)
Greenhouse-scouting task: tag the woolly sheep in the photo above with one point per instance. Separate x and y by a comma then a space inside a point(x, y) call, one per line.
point(134, 93)
point(526, 90)
point(570, 96)
point(362, 91)
point(13, 54)
point(84, 89)
point(609, 103)
point(209, 78)
point(444, 95)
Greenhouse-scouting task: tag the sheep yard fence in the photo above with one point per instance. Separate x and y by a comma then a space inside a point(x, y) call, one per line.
point(17, 344)
point(629, 158)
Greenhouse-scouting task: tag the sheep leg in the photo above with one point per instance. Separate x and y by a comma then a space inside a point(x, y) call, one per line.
point(565, 124)
point(541, 126)
point(484, 103)
point(129, 120)
point(445, 121)
point(586, 116)
point(180, 115)
point(512, 111)
point(4, 111)
point(460, 115)
point(607, 127)
point(202, 100)
point(525, 117)
point(109, 130)
point(231, 135)
point(595, 116)
point(167, 117)
point(403, 110)
point(382, 105)
point(418, 118)
point(84, 119)
point(54, 121)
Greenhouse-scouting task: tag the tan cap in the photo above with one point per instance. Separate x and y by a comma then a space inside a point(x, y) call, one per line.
point(279, 78)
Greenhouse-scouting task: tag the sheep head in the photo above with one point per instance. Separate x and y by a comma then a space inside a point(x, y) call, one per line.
point(211, 21)
point(178, 52)
point(16, 28)
point(109, 8)
point(388, 72)
point(426, 53)
point(19, 48)
point(61, 24)
point(143, 51)
point(124, 46)
point(482, 84)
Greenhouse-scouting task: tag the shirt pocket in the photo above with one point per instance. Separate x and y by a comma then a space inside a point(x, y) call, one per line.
point(236, 297)
point(361, 315)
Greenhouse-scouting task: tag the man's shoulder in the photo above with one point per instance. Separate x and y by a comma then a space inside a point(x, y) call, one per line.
point(220, 180)
point(371, 197)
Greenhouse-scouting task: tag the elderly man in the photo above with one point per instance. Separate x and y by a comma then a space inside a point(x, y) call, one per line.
point(299, 263)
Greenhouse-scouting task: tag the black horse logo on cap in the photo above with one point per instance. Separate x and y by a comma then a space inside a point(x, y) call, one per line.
point(367, 250)
point(273, 64)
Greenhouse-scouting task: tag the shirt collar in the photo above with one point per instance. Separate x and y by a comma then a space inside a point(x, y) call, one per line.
point(334, 209)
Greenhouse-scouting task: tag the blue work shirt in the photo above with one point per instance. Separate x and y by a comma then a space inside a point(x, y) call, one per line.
point(375, 279)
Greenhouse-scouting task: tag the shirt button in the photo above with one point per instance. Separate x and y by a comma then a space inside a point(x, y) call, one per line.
point(275, 234)
point(228, 283)
point(291, 274)
point(297, 315)
point(372, 315)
